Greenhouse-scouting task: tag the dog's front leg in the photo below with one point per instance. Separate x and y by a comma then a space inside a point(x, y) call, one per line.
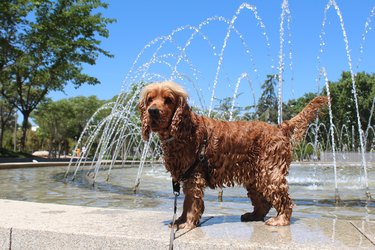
point(193, 209)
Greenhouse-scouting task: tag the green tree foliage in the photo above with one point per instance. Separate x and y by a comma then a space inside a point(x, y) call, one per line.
point(63, 121)
point(294, 106)
point(226, 111)
point(43, 47)
point(267, 104)
point(343, 103)
point(343, 111)
point(223, 110)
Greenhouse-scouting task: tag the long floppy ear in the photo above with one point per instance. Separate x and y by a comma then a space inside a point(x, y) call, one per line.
point(180, 117)
point(144, 120)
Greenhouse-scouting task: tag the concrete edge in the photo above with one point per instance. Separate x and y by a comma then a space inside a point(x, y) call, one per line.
point(20, 238)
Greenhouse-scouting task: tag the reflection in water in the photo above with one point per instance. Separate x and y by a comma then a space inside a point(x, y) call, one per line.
point(311, 188)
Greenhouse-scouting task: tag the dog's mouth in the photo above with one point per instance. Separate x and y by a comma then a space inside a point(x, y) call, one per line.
point(158, 124)
point(154, 124)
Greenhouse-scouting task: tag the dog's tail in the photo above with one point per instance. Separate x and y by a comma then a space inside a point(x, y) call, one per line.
point(296, 127)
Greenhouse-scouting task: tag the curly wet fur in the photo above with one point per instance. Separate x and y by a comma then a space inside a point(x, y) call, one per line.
point(253, 154)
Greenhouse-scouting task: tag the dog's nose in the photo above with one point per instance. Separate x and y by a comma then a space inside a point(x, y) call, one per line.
point(153, 111)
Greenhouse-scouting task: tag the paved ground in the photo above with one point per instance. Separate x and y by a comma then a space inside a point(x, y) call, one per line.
point(28, 225)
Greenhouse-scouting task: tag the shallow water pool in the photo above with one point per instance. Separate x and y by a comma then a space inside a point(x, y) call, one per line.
point(312, 188)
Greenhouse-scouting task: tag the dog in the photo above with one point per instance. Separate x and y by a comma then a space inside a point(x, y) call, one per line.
point(202, 152)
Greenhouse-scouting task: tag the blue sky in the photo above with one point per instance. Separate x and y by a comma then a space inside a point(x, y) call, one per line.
point(141, 21)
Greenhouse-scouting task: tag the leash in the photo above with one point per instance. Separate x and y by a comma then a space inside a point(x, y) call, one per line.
point(176, 185)
point(176, 192)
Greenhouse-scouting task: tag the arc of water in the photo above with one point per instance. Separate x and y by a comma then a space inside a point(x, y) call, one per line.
point(285, 11)
point(182, 50)
point(89, 144)
point(332, 3)
point(85, 130)
point(113, 121)
point(366, 30)
point(111, 126)
point(229, 30)
point(126, 132)
point(344, 129)
point(107, 136)
point(198, 30)
point(369, 121)
point(175, 74)
point(323, 71)
point(162, 40)
point(235, 94)
point(143, 159)
point(316, 139)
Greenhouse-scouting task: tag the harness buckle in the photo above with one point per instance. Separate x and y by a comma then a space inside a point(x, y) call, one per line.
point(176, 188)
point(201, 157)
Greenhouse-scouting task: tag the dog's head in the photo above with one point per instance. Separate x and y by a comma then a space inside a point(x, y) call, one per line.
point(162, 107)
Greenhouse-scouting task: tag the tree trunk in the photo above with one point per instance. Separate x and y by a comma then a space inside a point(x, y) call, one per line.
point(1, 135)
point(1, 126)
point(50, 148)
point(25, 122)
point(59, 150)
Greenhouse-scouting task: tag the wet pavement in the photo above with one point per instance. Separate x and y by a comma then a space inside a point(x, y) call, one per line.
point(140, 221)
point(29, 225)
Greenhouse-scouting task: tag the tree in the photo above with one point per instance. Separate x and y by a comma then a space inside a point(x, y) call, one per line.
point(224, 109)
point(294, 106)
point(267, 105)
point(44, 45)
point(343, 102)
point(343, 109)
point(64, 120)
point(7, 117)
point(82, 109)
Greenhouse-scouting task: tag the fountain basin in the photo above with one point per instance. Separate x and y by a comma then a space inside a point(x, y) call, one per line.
point(311, 188)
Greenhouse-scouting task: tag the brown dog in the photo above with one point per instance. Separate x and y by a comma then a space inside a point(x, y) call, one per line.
point(200, 152)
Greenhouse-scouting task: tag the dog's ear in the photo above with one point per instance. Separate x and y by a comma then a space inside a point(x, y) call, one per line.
point(180, 116)
point(144, 119)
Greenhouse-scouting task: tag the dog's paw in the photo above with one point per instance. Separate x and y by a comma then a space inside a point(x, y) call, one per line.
point(186, 225)
point(251, 217)
point(182, 224)
point(170, 225)
point(280, 220)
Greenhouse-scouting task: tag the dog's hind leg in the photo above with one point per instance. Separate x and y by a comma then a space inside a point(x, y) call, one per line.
point(275, 166)
point(193, 203)
point(283, 205)
point(261, 206)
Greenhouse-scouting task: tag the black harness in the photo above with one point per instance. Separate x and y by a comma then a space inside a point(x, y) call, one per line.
point(186, 175)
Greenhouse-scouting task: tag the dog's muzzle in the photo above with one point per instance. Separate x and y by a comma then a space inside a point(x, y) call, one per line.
point(154, 112)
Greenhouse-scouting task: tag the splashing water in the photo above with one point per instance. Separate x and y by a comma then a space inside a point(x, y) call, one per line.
point(284, 12)
point(332, 133)
point(367, 29)
point(118, 136)
point(332, 3)
point(230, 28)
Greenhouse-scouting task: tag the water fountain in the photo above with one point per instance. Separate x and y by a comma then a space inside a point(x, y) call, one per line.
point(116, 139)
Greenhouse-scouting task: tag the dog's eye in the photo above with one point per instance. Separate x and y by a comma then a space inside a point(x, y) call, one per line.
point(168, 100)
point(149, 99)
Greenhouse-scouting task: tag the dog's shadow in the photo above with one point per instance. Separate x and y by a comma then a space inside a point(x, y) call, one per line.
point(211, 220)
point(257, 226)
